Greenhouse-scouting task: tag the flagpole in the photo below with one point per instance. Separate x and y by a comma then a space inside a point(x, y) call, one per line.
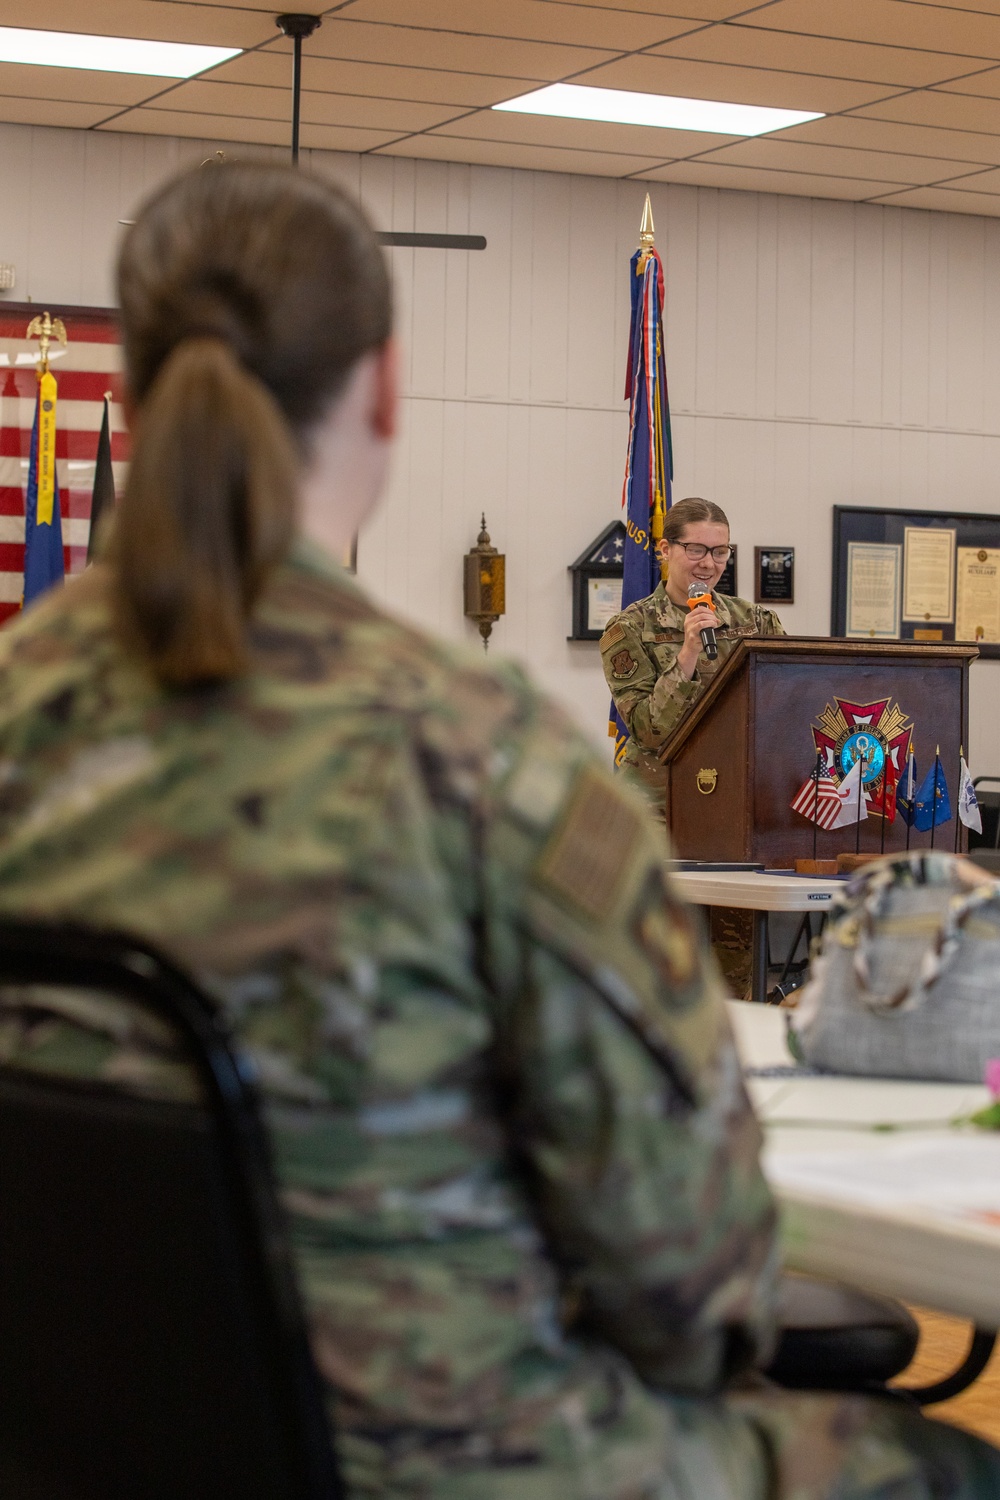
point(910, 796)
point(819, 767)
point(885, 773)
point(958, 815)
point(861, 792)
point(934, 794)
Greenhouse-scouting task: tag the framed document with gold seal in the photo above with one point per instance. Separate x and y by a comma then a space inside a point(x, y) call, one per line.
point(916, 575)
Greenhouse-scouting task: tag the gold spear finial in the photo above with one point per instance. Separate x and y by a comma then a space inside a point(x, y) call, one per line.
point(647, 233)
point(45, 329)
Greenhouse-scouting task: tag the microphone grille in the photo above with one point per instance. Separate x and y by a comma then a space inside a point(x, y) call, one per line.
point(694, 589)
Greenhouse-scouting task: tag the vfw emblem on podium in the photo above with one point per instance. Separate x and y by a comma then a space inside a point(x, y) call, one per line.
point(878, 731)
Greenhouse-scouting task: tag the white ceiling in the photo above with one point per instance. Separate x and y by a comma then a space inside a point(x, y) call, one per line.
point(911, 90)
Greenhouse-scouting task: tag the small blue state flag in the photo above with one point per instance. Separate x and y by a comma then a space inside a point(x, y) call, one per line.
point(933, 805)
point(43, 546)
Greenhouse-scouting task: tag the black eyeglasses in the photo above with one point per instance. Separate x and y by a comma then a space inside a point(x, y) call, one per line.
point(696, 551)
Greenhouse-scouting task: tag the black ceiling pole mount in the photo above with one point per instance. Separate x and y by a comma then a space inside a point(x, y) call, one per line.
point(297, 27)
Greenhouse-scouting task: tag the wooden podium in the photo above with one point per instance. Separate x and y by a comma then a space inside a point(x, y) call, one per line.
point(738, 760)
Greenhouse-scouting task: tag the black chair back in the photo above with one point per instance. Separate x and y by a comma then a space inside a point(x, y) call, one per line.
point(151, 1339)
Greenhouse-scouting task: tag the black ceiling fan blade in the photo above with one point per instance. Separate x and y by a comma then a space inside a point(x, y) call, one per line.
point(431, 241)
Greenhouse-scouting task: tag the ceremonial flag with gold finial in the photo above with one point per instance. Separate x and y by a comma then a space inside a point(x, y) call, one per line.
point(43, 545)
point(649, 460)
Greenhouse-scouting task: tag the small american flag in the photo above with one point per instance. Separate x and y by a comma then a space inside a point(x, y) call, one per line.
point(84, 370)
point(819, 803)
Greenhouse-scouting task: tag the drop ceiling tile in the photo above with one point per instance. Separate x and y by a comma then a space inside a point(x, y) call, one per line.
point(839, 161)
point(944, 200)
point(698, 80)
point(448, 50)
point(967, 32)
point(889, 135)
point(987, 181)
point(750, 46)
point(583, 135)
point(203, 96)
point(212, 25)
point(228, 130)
point(985, 85)
point(536, 20)
point(324, 74)
point(929, 107)
point(77, 84)
point(695, 10)
point(507, 154)
point(77, 116)
point(757, 180)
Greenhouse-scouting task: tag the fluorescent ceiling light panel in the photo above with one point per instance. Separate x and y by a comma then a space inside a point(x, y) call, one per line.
point(109, 54)
point(572, 101)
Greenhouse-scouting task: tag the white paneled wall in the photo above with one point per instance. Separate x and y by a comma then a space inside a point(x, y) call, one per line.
point(819, 353)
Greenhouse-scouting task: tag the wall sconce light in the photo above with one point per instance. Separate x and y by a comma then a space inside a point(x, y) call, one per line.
point(484, 584)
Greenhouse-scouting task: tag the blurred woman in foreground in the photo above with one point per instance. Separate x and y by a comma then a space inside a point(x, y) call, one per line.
point(533, 1238)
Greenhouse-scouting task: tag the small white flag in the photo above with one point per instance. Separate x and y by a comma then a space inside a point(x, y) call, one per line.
point(968, 806)
point(853, 800)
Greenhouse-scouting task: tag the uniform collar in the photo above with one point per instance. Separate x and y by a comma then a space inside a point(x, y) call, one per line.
point(309, 557)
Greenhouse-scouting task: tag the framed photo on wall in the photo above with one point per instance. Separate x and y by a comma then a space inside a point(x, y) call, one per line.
point(774, 575)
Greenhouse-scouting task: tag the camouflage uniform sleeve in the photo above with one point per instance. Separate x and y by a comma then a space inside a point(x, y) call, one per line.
point(767, 621)
point(652, 703)
point(624, 1096)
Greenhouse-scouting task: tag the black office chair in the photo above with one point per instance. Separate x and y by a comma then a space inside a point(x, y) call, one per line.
point(151, 1339)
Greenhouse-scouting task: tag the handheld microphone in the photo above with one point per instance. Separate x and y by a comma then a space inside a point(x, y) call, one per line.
point(698, 595)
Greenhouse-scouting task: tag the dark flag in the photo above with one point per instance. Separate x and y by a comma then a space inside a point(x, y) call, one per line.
point(103, 499)
point(649, 462)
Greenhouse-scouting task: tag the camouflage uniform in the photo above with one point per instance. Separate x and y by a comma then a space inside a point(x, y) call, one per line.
point(639, 653)
point(510, 1130)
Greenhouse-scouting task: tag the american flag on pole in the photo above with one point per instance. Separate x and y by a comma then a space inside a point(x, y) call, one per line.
point(84, 370)
point(818, 803)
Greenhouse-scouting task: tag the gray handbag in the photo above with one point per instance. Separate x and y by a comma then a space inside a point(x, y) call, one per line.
point(906, 982)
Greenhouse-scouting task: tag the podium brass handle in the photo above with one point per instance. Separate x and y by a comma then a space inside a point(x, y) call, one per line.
point(706, 779)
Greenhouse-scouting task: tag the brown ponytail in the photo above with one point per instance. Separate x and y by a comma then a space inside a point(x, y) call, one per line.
point(247, 295)
point(208, 510)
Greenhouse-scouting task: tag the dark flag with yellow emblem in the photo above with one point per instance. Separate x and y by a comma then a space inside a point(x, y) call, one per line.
point(649, 461)
point(43, 546)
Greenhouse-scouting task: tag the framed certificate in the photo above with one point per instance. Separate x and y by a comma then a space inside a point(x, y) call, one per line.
point(874, 573)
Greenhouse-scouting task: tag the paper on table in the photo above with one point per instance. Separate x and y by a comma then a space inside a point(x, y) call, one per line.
point(956, 1175)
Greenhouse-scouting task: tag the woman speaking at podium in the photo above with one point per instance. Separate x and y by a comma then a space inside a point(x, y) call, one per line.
point(654, 654)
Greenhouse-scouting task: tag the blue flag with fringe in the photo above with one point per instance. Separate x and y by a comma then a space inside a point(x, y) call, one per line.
point(43, 545)
point(649, 462)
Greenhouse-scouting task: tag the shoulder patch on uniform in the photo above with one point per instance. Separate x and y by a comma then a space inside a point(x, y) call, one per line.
point(612, 635)
point(584, 862)
point(624, 664)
